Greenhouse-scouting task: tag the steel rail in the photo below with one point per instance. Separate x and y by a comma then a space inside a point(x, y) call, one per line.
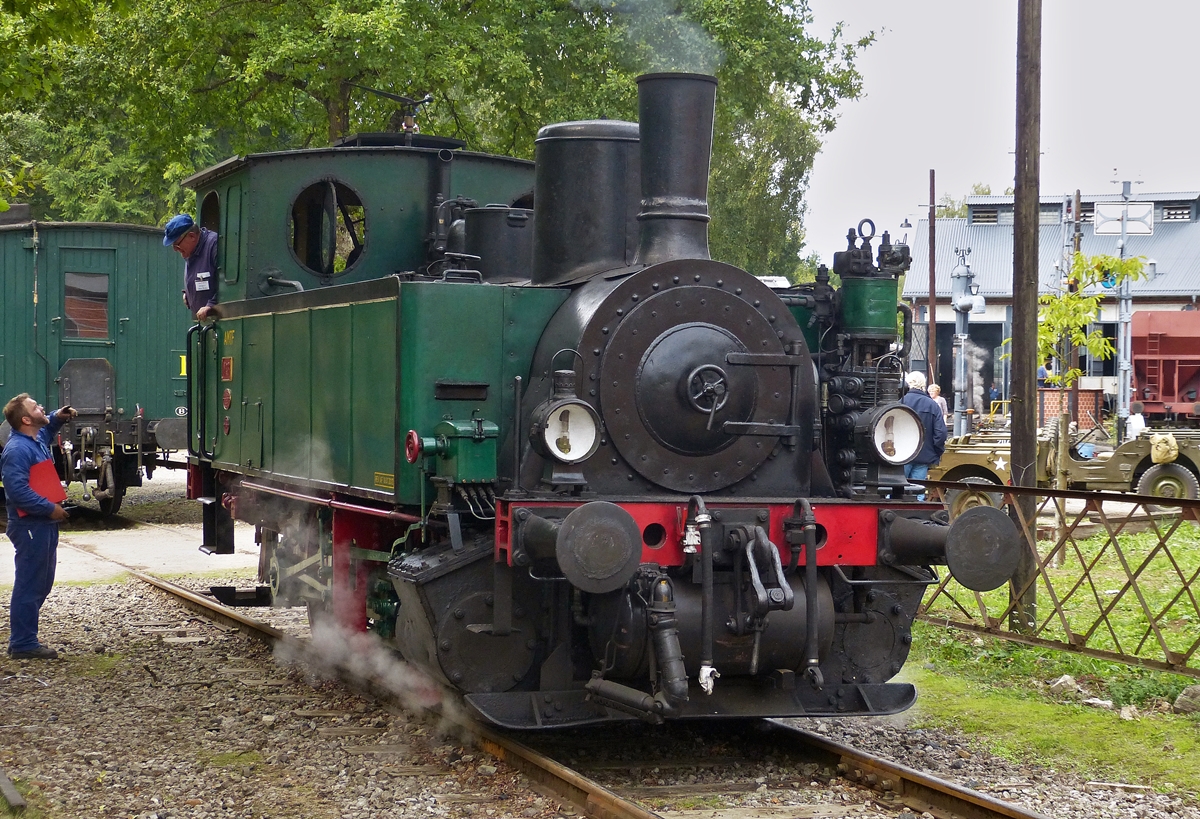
point(211, 608)
point(915, 789)
point(911, 787)
point(590, 797)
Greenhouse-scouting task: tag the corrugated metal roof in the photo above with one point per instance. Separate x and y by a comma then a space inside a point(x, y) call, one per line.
point(1176, 196)
point(1174, 247)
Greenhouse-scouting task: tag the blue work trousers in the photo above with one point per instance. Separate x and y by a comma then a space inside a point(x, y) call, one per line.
point(918, 471)
point(37, 555)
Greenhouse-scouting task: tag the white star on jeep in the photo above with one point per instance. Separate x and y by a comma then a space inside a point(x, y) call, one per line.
point(1000, 462)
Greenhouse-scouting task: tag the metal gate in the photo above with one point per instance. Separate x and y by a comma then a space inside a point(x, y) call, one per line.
point(1107, 574)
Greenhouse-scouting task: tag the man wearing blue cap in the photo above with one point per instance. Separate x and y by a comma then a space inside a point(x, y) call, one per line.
point(198, 247)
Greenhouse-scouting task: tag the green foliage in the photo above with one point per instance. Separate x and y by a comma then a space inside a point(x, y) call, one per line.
point(950, 208)
point(806, 271)
point(154, 93)
point(16, 176)
point(28, 28)
point(1065, 314)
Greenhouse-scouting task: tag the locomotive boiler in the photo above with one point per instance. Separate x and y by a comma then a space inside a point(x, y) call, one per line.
point(553, 453)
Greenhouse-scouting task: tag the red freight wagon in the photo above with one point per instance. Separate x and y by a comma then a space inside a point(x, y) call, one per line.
point(1166, 362)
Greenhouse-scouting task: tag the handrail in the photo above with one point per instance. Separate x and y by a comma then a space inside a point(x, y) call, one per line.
point(199, 373)
point(191, 371)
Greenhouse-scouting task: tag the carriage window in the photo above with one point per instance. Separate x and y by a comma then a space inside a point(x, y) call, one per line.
point(327, 230)
point(85, 305)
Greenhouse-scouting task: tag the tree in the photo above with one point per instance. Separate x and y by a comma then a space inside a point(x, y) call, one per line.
point(16, 176)
point(1067, 316)
point(950, 208)
point(27, 29)
point(1067, 320)
point(164, 89)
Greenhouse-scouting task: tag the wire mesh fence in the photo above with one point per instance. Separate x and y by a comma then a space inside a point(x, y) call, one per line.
point(1110, 575)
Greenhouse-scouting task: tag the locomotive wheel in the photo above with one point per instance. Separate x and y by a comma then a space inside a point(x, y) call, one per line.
point(960, 500)
point(281, 589)
point(110, 506)
point(1168, 481)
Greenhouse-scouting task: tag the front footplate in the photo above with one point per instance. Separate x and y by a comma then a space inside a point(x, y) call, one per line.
point(534, 710)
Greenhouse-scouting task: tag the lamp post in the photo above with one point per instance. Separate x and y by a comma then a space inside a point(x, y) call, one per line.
point(964, 296)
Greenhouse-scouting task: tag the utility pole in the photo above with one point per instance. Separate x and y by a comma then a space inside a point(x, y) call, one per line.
point(1025, 294)
point(1076, 241)
point(932, 352)
point(1124, 327)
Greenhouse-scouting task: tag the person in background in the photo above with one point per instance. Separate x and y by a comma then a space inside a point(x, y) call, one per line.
point(994, 392)
point(935, 428)
point(935, 392)
point(32, 520)
point(198, 247)
point(1135, 424)
point(1043, 372)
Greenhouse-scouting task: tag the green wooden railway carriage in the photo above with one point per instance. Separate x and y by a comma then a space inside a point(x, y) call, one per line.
point(92, 317)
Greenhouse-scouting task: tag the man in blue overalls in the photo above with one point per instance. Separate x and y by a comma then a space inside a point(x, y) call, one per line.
point(32, 520)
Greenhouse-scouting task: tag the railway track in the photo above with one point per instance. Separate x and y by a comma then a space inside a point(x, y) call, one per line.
point(769, 760)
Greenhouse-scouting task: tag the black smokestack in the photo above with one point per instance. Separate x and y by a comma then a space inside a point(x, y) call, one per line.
point(675, 114)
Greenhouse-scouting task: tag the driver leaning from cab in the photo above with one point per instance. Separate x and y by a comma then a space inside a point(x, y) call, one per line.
point(198, 247)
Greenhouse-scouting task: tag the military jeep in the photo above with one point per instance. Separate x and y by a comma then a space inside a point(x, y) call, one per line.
point(984, 458)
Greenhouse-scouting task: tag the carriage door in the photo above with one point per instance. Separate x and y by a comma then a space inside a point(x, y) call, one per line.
point(84, 321)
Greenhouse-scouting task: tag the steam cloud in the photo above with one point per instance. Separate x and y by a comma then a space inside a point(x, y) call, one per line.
point(976, 390)
point(334, 651)
point(669, 41)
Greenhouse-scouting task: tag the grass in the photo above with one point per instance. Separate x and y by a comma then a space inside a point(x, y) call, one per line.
point(162, 512)
point(165, 512)
point(215, 574)
point(94, 665)
point(34, 802)
point(1162, 751)
point(1024, 670)
point(999, 691)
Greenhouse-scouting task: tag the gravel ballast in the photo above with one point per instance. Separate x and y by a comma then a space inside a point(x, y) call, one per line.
point(157, 713)
point(154, 713)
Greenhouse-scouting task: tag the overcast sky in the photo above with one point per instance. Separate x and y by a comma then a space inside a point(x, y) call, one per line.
point(1118, 91)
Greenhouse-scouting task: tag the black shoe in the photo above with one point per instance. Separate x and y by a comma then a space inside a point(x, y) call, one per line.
point(39, 653)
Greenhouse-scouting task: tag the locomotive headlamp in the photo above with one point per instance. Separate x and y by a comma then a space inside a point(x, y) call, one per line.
point(565, 427)
point(891, 434)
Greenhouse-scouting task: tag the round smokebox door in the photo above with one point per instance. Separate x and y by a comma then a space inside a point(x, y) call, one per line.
point(667, 388)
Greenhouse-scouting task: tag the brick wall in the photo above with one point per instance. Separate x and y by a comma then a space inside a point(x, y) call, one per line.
point(1088, 414)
